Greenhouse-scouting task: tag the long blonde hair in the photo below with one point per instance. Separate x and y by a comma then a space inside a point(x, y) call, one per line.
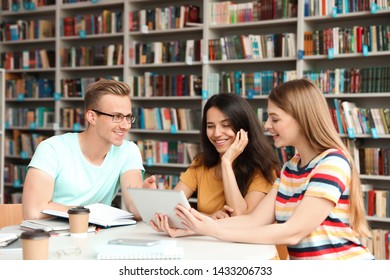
point(305, 102)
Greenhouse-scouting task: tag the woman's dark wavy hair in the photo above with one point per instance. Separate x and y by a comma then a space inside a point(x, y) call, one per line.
point(258, 155)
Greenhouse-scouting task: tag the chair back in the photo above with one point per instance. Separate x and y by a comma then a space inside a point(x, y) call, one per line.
point(10, 214)
point(282, 252)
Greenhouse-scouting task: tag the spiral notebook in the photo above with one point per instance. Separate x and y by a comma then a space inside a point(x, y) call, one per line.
point(164, 250)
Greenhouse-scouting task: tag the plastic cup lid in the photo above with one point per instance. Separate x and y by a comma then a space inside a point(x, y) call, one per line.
point(78, 210)
point(35, 234)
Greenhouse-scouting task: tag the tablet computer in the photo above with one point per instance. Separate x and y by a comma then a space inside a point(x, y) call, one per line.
point(151, 201)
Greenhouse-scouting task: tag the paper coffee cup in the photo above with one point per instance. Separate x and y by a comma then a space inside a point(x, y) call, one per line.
point(35, 245)
point(78, 221)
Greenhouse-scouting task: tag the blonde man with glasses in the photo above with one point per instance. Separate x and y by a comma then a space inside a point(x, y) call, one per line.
point(75, 169)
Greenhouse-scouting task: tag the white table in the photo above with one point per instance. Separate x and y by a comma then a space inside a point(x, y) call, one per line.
point(195, 248)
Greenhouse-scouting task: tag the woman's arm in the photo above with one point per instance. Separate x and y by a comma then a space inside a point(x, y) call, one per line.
point(240, 205)
point(311, 212)
point(265, 209)
point(183, 187)
point(234, 199)
point(263, 214)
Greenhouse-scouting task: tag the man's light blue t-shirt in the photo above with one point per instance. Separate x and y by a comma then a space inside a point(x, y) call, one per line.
point(77, 181)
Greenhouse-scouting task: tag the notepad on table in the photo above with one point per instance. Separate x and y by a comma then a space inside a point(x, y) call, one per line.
point(164, 250)
point(55, 226)
point(46, 224)
point(15, 245)
point(7, 238)
point(101, 215)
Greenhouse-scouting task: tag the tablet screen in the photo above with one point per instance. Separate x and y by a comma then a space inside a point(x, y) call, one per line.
point(151, 201)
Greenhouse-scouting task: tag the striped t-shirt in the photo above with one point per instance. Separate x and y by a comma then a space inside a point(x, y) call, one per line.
point(326, 176)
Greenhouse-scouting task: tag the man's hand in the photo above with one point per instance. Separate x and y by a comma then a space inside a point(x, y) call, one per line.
point(150, 183)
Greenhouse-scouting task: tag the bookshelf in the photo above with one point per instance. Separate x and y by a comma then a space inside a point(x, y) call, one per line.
point(27, 54)
point(138, 43)
point(352, 68)
point(165, 58)
point(89, 37)
point(2, 106)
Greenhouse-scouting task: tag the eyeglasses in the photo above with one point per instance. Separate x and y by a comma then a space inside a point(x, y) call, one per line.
point(68, 252)
point(117, 118)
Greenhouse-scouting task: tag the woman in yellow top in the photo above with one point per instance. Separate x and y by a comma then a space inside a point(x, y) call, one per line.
point(237, 166)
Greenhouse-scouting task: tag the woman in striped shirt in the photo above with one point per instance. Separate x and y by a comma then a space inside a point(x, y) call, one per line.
point(316, 205)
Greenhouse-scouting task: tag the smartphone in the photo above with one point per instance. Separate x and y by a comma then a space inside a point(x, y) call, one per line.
point(134, 242)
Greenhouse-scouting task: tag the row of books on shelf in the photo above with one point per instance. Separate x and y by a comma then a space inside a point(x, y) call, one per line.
point(20, 86)
point(351, 80)
point(379, 243)
point(376, 202)
point(13, 196)
point(167, 119)
point(109, 55)
point(24, 5)
point(248, 84)
point(154, 84)
point(22, 144)
point(228, 12)
point(155, 151)
point(284, 154)
point(15, 30)
point(187, 51)
point(29, 59)
point(104, 22)
point(324, 7)
point(373, 161)
point(40, 117)
point(336, 40)
point(76, 87)
point(73, 118)
point(164, 18)
point(28, 87)
point(350, 119)
point(253, 46)
point(14, 174)
point(74, 1)
point(332, 81)
point(166, 181)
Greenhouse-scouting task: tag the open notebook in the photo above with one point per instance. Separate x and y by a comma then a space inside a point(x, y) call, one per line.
point(102, 215)
point(55, 225)
point(163, 250)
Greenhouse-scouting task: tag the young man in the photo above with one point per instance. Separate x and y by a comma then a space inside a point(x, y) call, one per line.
point(83, 168)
